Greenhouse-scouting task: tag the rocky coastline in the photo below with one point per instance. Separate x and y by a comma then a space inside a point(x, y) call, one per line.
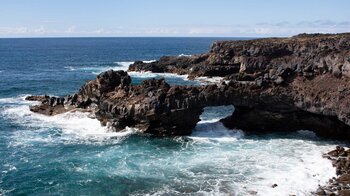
point(300, 81)
point(339, 185)
point(275, 84)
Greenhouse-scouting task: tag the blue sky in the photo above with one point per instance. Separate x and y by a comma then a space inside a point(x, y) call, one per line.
point(230, 18)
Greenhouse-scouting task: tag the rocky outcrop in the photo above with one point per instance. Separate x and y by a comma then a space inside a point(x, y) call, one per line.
point(339, 185)
point(309, 73)
point(196, 65)
point(304, 54)
point(275, 84)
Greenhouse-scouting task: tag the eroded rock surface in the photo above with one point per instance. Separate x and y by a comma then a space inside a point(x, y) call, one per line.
point(306, 55)
point(275, 84)
point(339, 185)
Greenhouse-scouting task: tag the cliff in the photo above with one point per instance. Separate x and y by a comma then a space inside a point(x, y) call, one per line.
point(276, 84)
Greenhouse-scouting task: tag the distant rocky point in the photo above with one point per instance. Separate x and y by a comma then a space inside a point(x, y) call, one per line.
point(275, 84)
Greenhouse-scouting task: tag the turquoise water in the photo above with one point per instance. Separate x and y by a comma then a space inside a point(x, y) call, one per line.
point(71, 154)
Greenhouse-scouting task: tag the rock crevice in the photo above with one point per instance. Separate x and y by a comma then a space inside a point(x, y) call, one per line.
point(276, 84)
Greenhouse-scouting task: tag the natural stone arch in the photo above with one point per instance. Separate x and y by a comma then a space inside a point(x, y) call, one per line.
point(156, 107)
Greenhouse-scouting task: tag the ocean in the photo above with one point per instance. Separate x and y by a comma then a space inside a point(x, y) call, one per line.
point(71, 154)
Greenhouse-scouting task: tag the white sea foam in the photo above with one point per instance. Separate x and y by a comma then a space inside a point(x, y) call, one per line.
point(238, 166)
point(71, 68)
point(295, 165)
point(150, 61)
point(125, 66)
point(209, 131)
point(187, 55)
point(153, 75)
point(73, 125)
point(210, 128)
point(212, 161)
point(99, 69)
point(15, 100)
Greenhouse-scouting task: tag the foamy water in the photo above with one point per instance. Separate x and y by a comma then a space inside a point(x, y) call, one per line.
point(146, 75)
point(77, 125)
point(212, 161)
point(71, 154)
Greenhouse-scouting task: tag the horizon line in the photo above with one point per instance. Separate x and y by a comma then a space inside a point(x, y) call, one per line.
point(43, 37)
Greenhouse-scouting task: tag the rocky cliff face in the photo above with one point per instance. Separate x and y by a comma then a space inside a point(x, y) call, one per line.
point(281, 84)
point(304, 54)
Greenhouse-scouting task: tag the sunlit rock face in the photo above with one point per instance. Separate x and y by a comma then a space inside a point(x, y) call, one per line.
point(302, 82)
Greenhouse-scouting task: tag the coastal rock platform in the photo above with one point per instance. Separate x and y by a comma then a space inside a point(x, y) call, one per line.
point(275, 84)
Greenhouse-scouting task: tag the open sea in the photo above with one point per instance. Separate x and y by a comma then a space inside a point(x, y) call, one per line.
point(71, 154)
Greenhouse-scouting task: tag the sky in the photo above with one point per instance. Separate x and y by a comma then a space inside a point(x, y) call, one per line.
point(172, 18)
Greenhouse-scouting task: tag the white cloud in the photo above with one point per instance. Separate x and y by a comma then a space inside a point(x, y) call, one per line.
point(41, 30)
point(282, 28)
point(211, 30)
point(100, 31)
point(13, 30)
point(71, 29)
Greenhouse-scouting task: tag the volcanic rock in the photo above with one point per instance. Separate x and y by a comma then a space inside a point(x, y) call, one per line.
point(275, 84)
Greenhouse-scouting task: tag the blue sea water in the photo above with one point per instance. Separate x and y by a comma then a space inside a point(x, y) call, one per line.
point(71, 154)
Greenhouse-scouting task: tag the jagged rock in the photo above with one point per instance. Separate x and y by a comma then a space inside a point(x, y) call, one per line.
point(320, 191)
point(252, 192)
point(339, 185)
point(306, 55)
point(344, 193)
point(345, 178)
point(40, 98)
point(277, 84)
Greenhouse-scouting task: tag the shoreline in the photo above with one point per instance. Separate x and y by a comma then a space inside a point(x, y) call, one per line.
point(275, 84)
point(252, 189)
point(339, 185)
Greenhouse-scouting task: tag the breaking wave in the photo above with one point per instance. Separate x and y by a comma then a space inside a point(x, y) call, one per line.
point(70, 127)
point(222, 161)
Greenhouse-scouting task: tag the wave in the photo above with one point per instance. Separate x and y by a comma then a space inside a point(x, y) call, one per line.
point(97, 69)
point(215, 131)
point(289, 163)
point(241, 166)
point(186, 55)
point(71, 126)
point(223, 161)
point(210, 128)
point(71, 68)
point(154, 75)
point(150, 61)
point(125, 66)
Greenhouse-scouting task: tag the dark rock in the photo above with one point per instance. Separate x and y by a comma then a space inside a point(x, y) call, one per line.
point(40, 98)
point(308, 55)
point(252, 192)
point(282, 84)
point(344, 192)
point(48, 110)
point(320, 191)
point(339, 185)
point(275, 84)
point(345, 179)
